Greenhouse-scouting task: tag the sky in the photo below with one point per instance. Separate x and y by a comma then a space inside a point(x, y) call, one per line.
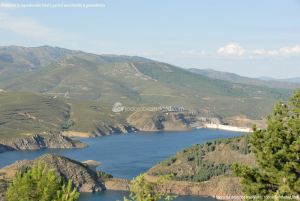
point(251, 37)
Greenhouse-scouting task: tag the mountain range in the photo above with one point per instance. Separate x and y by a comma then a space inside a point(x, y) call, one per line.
point(78, 89)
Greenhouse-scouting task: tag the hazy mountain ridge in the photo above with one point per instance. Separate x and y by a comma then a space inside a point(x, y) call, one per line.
point(235, 78)
point(292, 80)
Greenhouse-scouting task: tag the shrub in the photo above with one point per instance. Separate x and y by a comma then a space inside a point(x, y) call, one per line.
point(103, 175)
point(191, 158)
point(143, 190)
point(169, 161)
point(158, 121)
point(66, 125)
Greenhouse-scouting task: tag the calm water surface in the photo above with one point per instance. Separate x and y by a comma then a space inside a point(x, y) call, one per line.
point(129, 155)
point(118, 195)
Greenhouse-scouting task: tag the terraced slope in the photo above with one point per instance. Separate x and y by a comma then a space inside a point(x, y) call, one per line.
point(23, 113)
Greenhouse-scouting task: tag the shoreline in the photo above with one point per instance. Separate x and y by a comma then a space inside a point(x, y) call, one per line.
point(206, 189)
point(40, 141)
point(73, 138)
point(227, 128)
point(173, 187)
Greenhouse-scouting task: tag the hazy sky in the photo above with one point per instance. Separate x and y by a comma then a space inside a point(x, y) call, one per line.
point(248, 37)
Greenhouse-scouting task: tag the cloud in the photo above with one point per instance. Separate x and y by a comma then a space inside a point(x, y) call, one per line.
point(29, 28)
point(236, 50)
point(290, 50)
point(232, 49)
point(284, 51)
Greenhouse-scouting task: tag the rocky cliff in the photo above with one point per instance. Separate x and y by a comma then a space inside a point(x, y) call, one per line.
point(4, 148)
point(156, 121)
point(83, 178)
point(117, 184)
point(39, 141)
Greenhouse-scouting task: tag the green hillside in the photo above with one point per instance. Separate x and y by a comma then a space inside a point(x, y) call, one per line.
point(202, 162)
point(24, 113)
point(134, 81)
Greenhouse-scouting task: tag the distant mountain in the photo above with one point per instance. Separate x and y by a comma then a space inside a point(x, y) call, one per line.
point(266, 78)
point(294, 80)
point(289, 80)
point(87, 86)
point(262, 81)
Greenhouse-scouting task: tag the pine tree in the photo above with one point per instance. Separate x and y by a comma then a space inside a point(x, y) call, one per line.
point(40, 183)
point(143, 190)
point(277, 153)
point(67, 193)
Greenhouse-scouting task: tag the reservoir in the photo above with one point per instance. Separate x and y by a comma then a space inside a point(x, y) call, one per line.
point(127, 155)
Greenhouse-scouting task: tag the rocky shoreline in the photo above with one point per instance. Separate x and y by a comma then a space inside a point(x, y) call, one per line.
point(39, 141)
point(216, 187)
point(65, 140)
point(86, 178)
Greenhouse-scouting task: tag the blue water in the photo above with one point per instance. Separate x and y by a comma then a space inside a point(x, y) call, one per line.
point(119, 195)
point(129, 155)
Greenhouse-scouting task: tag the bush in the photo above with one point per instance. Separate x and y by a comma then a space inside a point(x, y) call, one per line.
point(191, 158)
point(234, 147)
point(103, 175)
point(158, 122)
point(207, 171)
point(66, 125)
point(169, 161)
point(143, 190)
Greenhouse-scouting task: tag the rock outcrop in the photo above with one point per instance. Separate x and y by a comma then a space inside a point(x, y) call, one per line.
point(104, 130)
point(38, 141)
point(83, 178)
point(4, 148)
point(156, 121)
point(117, 184)
point(92, 164)
point(3, 187)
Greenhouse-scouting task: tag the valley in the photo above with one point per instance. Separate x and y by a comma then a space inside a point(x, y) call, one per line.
point(104, 100)
point(54, 102)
